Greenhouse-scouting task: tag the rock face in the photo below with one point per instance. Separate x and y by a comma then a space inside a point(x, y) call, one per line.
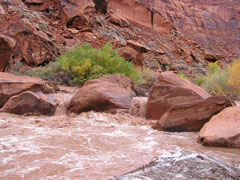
point(38, 5)
point(191, 116)
point(77, 13)
point(24, 38)
point(222, 130)
point(213, 24)
point(29, 102)
point(110, 94)
point(101, 5)
point(12, 85)
point(137, 12)
point(34, 47)
point(6, 47)
point(169, 90)
point(119, 20)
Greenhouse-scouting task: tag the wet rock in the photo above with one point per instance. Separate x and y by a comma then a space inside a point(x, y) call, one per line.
point(12, 85)
point(222, 130)
point(138, 106)
point(110, 94)
point(118, 20)
point(169, 90)
point(191, 116)
point(29, 102)
point(6, 47)
point(184, 165)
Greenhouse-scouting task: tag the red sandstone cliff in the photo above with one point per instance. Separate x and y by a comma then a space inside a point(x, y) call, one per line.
point(145, 31)
point(215, 24)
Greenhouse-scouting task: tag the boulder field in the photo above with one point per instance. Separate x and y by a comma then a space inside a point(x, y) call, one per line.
point(174, 104)
point(179, 105)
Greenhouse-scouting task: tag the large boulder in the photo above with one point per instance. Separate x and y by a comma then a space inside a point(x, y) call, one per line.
point(77, 13)
point(169, 90)
point(118, 20)
point(29, 102)
point(12, 85)
point(131, 55)
point(191, 116)
point(222, 130)
point(110, 94)
point(32, 46)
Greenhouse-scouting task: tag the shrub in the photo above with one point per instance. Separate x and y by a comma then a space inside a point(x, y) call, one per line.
point(148, 76)
point(85, 63)
point(221, 81)
point(183, 76)
point(234, 78)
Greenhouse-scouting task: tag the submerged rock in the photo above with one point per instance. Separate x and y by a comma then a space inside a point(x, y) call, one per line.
point(184, 165)
point(110, 94)
point(192, 116)
point(222, 130)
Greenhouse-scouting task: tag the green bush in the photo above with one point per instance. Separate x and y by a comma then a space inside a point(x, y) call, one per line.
point(219, 81)
point(85, 63)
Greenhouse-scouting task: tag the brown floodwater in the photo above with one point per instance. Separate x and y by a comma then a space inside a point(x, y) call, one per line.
point(90, 146)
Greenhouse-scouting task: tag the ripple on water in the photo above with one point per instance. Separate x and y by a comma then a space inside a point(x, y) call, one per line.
point(88, 146)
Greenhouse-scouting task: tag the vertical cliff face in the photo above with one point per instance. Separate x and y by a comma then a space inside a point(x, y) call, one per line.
point(215, 24)
point(137, 11)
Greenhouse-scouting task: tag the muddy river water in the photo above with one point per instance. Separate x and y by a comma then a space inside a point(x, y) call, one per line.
point(90, 146)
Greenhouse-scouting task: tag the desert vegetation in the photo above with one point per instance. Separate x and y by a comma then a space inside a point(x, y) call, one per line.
point(221, 80)
point(85, 63)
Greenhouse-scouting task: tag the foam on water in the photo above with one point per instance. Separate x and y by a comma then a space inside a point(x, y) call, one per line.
point(88, 146)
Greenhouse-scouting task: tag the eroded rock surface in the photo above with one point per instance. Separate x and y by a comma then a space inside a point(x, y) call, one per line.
point(169, 90)
point(6, 48)
point(184, 165)
point(213, 24)
point(191, 116)
point(222, 130)
point(110, 93)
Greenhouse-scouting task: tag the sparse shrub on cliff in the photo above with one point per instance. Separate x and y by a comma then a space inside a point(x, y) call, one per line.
point(85, 63)
point(183, 76)
point(221, 81)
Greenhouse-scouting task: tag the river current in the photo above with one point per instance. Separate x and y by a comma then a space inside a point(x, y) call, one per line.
point(90, 146)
